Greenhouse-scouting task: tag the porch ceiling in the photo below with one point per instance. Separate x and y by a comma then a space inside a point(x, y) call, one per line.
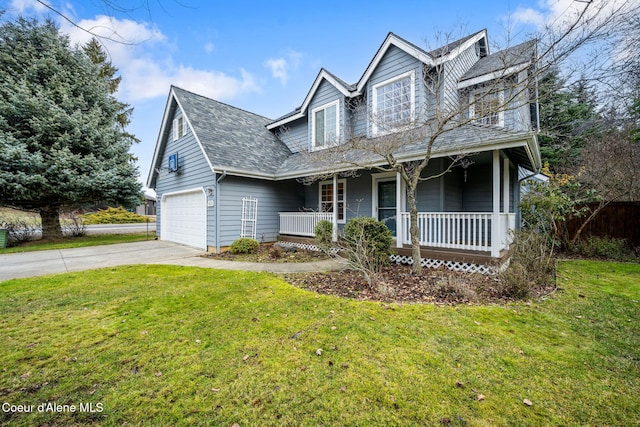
point(466, 139)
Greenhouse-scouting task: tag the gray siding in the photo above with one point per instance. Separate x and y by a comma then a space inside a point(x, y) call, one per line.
point(273, 197)
point(453, 70)
point(432, 194)
point(194, 172)
point(295, 135)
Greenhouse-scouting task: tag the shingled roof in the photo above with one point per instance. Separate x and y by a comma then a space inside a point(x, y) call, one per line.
point(233, 139)
point(503, 60)
point(463, 139)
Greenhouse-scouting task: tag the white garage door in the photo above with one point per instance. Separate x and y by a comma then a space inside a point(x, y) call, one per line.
point(183, 218)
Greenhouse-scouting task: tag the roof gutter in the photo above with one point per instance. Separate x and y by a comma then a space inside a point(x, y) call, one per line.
point(218, 181)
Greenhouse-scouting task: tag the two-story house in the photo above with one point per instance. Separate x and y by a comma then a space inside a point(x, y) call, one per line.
point(221, 172)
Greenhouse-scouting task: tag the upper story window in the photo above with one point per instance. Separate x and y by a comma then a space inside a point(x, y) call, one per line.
point(486, 107)
point(325, 125)
point(393, 103)
point(179, 127)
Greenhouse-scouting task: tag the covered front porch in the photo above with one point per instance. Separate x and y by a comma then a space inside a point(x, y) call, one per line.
point(453, 215)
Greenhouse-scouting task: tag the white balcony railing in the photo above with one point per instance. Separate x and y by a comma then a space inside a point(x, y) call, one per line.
point(302, 223)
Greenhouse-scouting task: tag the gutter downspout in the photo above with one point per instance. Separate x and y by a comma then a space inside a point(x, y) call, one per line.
point(223, 176)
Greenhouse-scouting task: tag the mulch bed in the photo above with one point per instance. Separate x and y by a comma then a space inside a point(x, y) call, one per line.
point(435, 286)
point(399, 284)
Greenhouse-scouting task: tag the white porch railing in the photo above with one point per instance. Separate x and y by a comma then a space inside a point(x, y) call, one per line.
point(302, 223)
point(458, 230)
point(507, 225)
point(451, 230)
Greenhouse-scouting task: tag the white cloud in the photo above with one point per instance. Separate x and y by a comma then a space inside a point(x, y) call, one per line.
point(140, 52)
point(23, 6)
point(278, 67)
point(209, 48)
point(281, 67)
point(557, 15)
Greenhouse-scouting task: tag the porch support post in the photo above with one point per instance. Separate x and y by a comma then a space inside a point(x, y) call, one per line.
point(505, 186)
point(504, 239)
point(335, 208)
point(399, 209)
point(495, 219)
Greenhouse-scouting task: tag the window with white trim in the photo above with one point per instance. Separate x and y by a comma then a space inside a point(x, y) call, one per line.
point(486, 107)
point(326, 198)
point(325, 125)
point(393, 103)
point(179, 127)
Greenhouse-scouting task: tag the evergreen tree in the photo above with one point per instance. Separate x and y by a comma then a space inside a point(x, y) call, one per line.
point(567, 117)
point(97, 55)
point(62, 137)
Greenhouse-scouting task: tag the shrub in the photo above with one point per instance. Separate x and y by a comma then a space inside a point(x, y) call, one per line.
point(454, 288)
point(324, 235)
point(244, 245)
point(20, 229)
point(74, 225)
point(532, 263)
point(374, 237)
point(603, 247)
point(275, 252)
point(367, 248)
point(114, 216)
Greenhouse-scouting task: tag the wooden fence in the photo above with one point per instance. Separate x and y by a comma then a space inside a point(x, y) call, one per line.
point(619, 219)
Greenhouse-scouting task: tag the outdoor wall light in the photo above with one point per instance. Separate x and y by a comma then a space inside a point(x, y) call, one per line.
point(465, 163)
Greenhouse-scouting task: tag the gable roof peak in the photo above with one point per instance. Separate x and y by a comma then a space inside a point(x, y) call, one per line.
point(175, 89)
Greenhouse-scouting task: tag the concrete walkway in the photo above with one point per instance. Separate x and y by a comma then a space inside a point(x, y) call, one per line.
point(30, 264)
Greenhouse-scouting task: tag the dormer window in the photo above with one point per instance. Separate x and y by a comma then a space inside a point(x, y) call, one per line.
point(393, 103)
point(179, 127)
point(325, 125)
point(486, 107)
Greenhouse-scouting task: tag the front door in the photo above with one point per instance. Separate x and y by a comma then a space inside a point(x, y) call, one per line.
point(387, 204)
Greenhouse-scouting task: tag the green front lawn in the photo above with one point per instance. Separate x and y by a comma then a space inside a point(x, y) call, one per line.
point(78, 242)
point(166, 345)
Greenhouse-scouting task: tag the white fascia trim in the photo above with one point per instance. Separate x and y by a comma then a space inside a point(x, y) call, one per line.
point(464, 46)
point(307, 100)
point(244, 173)
point(156, 151)
point(492, 76)
point(313, 125)
point(392, 39)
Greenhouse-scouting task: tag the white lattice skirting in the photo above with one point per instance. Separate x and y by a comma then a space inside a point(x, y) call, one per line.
point(408, 260)
point(305, 246)
point(451, 265)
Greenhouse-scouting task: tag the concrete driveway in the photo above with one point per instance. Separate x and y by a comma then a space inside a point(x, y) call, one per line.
point(28, 264)
point(38, 263)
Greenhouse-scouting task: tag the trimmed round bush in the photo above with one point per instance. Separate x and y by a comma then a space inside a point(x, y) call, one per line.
point(324, 235)
point(244, 245)
point(369, 234)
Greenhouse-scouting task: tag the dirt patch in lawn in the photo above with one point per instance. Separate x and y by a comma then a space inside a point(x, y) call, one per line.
point(436, 286)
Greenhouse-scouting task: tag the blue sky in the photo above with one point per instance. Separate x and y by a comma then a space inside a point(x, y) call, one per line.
point(264, 56)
